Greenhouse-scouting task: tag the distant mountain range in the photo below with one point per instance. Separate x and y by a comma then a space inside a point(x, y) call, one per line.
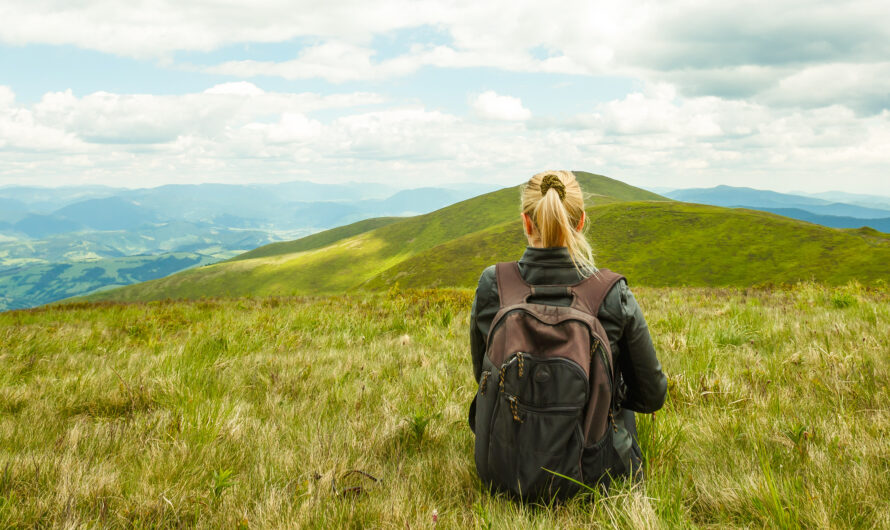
point(653, 240)
point(870, 201)
point(44, 231)
point(811, 209)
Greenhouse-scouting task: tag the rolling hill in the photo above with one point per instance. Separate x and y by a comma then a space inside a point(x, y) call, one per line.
point(652, 240)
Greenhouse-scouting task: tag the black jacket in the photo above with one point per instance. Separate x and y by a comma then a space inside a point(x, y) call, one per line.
point(642, 385)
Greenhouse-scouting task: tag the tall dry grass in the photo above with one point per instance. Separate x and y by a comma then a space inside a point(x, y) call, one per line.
point(317, 412)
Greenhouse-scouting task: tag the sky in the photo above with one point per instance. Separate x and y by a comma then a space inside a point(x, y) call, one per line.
point(783, 95)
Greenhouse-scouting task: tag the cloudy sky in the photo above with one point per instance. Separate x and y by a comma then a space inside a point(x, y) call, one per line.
point(778, 94)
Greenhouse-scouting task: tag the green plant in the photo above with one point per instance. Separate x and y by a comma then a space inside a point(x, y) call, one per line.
point(418, 422)
point(483, 517)
point(843, 300)
point(800, 436)
point(220, 481)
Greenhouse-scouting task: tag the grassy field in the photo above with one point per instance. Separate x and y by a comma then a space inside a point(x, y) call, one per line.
point(349, 411)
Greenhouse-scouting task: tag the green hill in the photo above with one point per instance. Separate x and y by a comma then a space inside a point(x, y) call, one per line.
point(650, 239)
point(671, 244)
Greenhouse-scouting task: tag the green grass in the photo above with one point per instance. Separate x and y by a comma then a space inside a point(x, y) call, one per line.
point(350, 411)
point(314, 241)
point(673, 244)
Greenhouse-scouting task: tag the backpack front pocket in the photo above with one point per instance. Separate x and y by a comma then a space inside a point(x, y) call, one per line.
point(550, 442)
point(535, 430)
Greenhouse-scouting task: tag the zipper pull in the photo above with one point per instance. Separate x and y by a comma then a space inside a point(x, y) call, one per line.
point(514, 408)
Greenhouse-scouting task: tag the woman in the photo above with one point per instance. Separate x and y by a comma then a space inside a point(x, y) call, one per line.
point(559, 254)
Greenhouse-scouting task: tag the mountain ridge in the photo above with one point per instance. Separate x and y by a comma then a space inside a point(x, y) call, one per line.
point(653, 240)
point(741, 197)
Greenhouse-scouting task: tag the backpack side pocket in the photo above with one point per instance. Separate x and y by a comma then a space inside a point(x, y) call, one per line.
point(486, 395)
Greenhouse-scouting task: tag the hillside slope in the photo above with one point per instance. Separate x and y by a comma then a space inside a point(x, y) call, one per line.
point(653, 241)
point(672, 244)
point(346, 263)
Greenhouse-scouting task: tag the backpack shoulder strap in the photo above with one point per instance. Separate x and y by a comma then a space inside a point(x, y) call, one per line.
point(590, 292)
point(512, 289)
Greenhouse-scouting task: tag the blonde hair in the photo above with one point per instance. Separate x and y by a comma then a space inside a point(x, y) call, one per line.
point(557, 212)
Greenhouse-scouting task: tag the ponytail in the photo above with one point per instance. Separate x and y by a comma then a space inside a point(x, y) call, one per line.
point(554, 202)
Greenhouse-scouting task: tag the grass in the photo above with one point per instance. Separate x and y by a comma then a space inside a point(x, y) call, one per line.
point(318, 412)
point(672, 244)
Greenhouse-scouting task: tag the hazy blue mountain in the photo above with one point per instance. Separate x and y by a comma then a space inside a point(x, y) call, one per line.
point(472, 189)
point(834, 221)
point(416, 201)
point(12, 210)
point(111, 213)
point(729, 196)
point(57, 230)
point(732, 196)
point(287, 206)
point(312, 191)
point(40, 225)
point(37, 284)
point(45, 200)
point(258, 205)
point(859, 199)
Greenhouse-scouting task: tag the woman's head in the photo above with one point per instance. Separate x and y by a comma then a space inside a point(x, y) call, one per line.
point(553, 210)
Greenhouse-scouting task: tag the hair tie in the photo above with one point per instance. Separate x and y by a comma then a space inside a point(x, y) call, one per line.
point(552, 182)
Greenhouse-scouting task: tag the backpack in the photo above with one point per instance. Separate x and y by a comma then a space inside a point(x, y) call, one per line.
point(544, 406)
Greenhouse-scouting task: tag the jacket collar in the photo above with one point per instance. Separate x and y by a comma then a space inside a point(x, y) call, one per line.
point(547, 257)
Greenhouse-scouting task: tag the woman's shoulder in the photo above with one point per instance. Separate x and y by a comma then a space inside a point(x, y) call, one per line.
point(488, 274)
point(615, 304)
point(487, 288)
point(488, 280)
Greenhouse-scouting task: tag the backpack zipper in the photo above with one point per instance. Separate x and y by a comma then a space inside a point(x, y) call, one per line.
point(596, 344)
point(556, 409)
point(514, 408)
point(484, 383)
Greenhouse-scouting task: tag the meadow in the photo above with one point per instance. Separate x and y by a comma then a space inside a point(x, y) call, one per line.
point(350, 411)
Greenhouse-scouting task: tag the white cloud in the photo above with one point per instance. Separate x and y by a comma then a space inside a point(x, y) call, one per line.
point(583, 37)
point(492, 106)
point(794, 90)
point(864, 87)
point(103, 117)
point(651, 137)
point(157, 28)
point(7, 97)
